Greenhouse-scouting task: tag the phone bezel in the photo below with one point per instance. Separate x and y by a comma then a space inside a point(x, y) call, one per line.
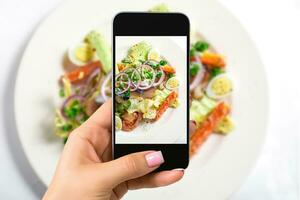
point(141, 24)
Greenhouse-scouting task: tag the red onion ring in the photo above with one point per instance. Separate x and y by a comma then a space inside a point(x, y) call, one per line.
point(161, 78)
point(85, 89)
point(70, 98)
point(103, 87)
point(198, 78)
point(141, 87)
point(93, 75)
point(139, 81)
point(135, 72)
point(128, 83)
point(134, 87)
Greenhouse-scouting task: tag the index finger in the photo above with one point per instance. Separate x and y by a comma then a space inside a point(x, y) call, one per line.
point(102, 118)
point(97, 129)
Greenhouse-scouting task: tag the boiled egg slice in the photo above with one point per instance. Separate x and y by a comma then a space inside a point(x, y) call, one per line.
point(80, 54)
point(219, 87)
point(172, 83)
point(153, 55)
point(118, 123)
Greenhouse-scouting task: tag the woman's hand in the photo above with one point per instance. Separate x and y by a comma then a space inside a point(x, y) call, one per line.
point(86, 171)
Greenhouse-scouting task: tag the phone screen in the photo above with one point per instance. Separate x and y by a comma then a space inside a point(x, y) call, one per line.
point(151, 85)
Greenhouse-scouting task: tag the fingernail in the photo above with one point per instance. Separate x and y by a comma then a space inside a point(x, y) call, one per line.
point(179, 169)
point(154, 159)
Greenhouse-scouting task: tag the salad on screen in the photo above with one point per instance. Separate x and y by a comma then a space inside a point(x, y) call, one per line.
point(145, 87)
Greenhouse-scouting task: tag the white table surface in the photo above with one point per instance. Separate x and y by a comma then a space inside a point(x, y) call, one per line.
point(275, 28)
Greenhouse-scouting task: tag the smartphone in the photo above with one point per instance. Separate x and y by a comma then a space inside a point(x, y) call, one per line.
point(151, 85)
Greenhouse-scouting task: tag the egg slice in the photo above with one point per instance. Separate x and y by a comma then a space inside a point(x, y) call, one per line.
point(81, 54)
point(153, 55)
point(219, 87)
point(172, 83)
point(118, 123)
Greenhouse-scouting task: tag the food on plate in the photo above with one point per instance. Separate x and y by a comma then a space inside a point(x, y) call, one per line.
point(210, 89)
point(207, 126)
point(103, 51)
point(219, 87)
point(86, 86)
point(225, 126)
point(145, 86)
point(160, 8)
point(81, 54)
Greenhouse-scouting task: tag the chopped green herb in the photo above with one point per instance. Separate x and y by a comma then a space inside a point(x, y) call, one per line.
point(135, 78)
point(140, 61)
point(148, 75)
point(201, 46)
point(215, 72)
point(117, 90)
point(126, 61)
point(84, 118)
point(122, 85)
point(129, 72)
point(159, 74)
point(127, 104)
point(125, 95)
point(193, 52)
point(194, 69)
point(66, 127)
point(62, 92)
point(71, 113)
point(122, 107)
point(163, 62)
point(73, 110)
point(153, 64)
point(170, 75)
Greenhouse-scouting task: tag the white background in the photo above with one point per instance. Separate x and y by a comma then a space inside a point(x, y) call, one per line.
point(274, 26)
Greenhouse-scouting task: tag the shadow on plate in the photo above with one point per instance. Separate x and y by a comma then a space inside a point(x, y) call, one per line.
point(13, 139)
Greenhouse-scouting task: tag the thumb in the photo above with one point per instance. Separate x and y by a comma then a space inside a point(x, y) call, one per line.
point(130, 166)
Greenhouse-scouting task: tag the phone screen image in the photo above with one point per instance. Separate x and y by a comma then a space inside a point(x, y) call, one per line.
point(150, 90)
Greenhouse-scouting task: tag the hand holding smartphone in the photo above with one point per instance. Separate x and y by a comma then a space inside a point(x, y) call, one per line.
point(151, 86)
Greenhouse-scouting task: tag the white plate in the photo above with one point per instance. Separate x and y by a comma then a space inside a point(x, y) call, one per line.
point(172, 48)
point(223, 162)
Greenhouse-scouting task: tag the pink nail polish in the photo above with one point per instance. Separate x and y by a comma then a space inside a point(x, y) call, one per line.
point(154, 159)
point(178, 169)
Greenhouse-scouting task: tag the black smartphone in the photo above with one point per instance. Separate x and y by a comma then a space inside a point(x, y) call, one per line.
point(151, 85)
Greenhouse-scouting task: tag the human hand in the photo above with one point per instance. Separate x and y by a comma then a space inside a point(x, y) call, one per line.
point(86, 169)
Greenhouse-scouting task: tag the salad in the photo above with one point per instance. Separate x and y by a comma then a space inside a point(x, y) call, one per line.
point(210, 89)
point(145, 86)
point(86, 83)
